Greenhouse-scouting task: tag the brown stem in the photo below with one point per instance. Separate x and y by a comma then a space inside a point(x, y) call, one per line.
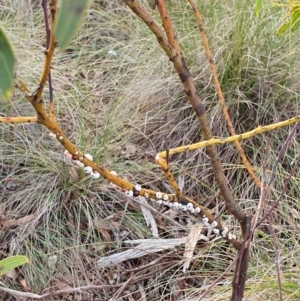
point(240, 272)
point(165, 167)
point(48, 55)
point(220, 93)
point(53, 12)
point(168, 27)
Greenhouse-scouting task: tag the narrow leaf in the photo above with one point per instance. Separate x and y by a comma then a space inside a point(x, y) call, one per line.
point(295, 20)
point(283, 28)
point(9, 263)
point(258, 4)
point(70, 14)
point(7, 61)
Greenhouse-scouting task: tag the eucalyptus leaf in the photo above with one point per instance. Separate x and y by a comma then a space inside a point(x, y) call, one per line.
point(295, 20)
point(7, 61)
point(12, 262)
point(70, 15)
point(293, 23)
point(283, 28)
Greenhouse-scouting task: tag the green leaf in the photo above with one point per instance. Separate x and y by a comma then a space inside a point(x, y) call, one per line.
point(7, 61)
point(9, 263)
point(258, 4)
point(283, 28)
point(70, 14)
point(295, 20)
point(293, 24)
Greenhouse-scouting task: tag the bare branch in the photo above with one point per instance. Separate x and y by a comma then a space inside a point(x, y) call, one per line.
point(212, 141)
point(213, 70)
point(18, 119)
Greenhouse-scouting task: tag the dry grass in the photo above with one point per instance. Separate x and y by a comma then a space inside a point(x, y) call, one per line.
point(117, 97)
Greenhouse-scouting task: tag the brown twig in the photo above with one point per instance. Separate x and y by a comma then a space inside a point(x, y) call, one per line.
point(53, 12)
point(18, 119)
point(165, 167)
point(167, 150)
point(164, 164)
point(44, 5)
point(164, 15)
point(36, 97)
point(220, 93)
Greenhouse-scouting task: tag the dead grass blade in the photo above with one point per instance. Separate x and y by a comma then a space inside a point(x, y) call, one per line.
point(145, 247)
point(149, 218)
point(190, 244)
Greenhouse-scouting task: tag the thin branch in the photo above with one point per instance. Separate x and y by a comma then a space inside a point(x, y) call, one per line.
point(19, 84)
point(247, 135)
point(220, 93)
point(36, 97)
point(168, 26)
point(239, 282)
point(44, 6)
point(164, 164)
point(51, 103)
point(265, 191)
point(167, 150)
point(165, 167)
point(30, 119)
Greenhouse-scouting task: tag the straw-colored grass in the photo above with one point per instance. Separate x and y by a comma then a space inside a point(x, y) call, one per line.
point(118, 97)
